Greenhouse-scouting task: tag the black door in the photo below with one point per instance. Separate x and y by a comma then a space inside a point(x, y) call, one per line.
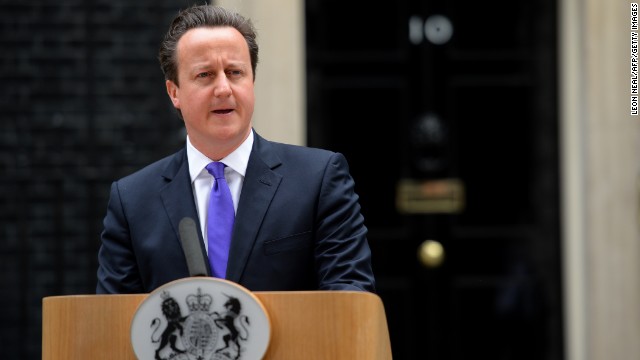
point(446, 111)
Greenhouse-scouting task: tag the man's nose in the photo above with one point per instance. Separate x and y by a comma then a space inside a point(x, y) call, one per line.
point(222, 87)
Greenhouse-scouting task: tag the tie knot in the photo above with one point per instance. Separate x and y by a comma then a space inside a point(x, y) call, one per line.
point(216, 169)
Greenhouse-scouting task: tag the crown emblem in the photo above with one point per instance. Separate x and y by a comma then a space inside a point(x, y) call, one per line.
point(199, 301)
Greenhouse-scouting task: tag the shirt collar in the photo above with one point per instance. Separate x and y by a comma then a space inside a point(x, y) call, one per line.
point(237, 160)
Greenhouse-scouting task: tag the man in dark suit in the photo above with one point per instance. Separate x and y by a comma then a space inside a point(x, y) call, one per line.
point(297, 222)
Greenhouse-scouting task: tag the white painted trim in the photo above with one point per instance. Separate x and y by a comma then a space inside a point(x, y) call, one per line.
point(573, 170)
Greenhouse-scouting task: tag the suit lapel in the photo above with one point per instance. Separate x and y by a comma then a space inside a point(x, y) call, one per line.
point(177, 197)
point(259, 188)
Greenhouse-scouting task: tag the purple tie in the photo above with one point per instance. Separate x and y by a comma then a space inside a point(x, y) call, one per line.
point(219, 221)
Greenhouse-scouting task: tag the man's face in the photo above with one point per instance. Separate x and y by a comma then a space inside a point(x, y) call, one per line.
point(215, 94)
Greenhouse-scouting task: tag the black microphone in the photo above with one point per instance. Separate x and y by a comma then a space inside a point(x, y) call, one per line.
point(191, 247)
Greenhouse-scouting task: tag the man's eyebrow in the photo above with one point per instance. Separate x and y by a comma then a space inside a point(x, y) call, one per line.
point(200, 66)
point(237, 64)
point(206, 66)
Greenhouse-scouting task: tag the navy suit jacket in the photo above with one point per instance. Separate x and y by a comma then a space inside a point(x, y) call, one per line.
point(298, 225)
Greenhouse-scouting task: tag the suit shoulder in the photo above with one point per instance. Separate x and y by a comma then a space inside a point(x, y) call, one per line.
point(154, 170)
point(288, 151)
point(300, 159)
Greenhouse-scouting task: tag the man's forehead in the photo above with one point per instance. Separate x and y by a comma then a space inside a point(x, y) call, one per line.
point(204, 41)
point(212, 35)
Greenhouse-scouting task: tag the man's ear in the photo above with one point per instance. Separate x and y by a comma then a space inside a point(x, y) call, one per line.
point(173, 90)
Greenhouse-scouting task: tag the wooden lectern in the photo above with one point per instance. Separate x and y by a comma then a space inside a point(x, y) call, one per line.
point(304, 325)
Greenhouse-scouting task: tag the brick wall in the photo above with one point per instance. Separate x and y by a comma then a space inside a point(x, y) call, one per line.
point(83, 103)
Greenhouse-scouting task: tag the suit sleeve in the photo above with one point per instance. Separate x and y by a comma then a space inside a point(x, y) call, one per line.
point(117, 269)
point(342, 254)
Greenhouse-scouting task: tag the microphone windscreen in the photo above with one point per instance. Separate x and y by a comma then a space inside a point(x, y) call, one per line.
point(191, 247)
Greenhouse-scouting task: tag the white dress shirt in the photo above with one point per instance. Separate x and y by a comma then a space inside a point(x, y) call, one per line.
point(202, 181)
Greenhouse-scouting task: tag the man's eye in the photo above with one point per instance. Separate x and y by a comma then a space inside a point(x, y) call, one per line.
point(203, 75)
point(234, 72)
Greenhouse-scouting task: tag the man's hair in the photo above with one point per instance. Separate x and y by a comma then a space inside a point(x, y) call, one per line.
point(203, 16)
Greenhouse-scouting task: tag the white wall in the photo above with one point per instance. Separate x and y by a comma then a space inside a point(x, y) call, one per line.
point(601, 162)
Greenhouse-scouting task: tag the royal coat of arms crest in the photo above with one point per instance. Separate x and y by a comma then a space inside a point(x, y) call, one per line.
point(218, 324)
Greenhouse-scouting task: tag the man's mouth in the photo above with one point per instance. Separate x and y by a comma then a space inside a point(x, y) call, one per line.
point(222, 111)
